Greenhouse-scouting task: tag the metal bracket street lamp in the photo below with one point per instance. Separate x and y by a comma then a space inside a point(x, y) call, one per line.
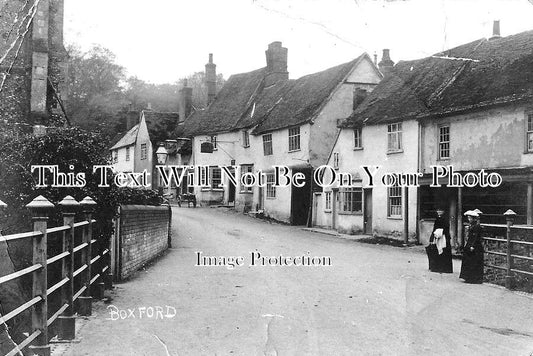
point(161, 154)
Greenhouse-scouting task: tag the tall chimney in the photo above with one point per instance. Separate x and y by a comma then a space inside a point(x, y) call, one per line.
point(211, 79)
point(276, 58)
point(386, 64)
point(496, 29)
point(185, 101)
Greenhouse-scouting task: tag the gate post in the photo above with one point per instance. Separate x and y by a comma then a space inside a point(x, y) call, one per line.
point(40, 208)
point(67, 321)
point(509, 217)
point(85, 300)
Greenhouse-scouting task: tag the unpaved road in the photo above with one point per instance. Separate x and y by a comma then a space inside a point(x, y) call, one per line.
point(373, 300)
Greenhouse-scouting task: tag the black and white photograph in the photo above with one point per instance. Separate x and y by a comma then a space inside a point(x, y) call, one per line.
point(266, 177)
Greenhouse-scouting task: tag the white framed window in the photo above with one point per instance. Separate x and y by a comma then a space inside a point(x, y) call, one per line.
point(444, 142)
point(336, 160)
point(357, 142)
point(115, 156)
point(127, 153)
point(394, 197)
point(144, 151)
point(327, 203)
point(294, 139)
point(351, 200)
point(216, 177)
point(214, 142)
point(245, 139)
point(267, 144)
point(270, 188)
point(246, 168)
point(529, 133)
point(394, 137)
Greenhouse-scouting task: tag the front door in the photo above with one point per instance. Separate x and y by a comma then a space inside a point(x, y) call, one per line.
point(231, 193)
point(367, 211)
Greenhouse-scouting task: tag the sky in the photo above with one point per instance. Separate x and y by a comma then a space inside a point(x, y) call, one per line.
point(161, 41)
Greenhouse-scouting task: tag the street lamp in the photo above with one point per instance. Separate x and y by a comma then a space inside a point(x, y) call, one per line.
point(161, 154)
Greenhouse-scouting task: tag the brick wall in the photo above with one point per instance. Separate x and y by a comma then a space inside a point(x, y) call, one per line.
point(143, 235)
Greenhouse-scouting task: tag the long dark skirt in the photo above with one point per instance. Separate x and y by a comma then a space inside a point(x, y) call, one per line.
point(440, 263)
point(472, 266)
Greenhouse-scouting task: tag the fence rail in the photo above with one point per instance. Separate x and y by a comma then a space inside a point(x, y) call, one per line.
point(508, 248)
point(89, 276)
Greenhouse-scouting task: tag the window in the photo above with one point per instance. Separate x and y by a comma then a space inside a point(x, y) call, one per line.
point(294, 139)
point(270, 188)
point(214, 142)
point(267, 144)
point(444, 142)
point(144, 151)
point(246, 168)
point(394, 132)
point(245, 139)
point(115, 156)
point(336, 160)
point(395, 201)
point(529, 133)
point(351, 200)
point(216, 177)
point(127, 153)
point(327, 197)
point(357, 138)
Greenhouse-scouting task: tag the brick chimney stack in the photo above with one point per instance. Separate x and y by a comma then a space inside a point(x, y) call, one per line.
point(211, 79)
point(276, 58)
point(185, 101)
point(386, 64)
point(496, 30)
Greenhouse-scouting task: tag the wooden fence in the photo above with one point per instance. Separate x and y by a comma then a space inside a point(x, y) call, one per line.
point(508, 258)
point(84, 272)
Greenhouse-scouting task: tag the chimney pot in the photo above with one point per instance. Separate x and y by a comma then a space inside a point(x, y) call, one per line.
point(386, 64)
point(276, 58)
point(211, 79)
point(496, 29)
point(185, 102)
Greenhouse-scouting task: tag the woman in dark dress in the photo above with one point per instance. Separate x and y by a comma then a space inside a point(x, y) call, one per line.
point(441, 261)
point(472, 266)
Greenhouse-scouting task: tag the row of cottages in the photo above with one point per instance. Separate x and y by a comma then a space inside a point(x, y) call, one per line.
point(262, 118)
point(470, 107)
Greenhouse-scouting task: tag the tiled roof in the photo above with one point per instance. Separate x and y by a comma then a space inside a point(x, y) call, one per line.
point(475, 75)
point(128, 139)
point(244, 102)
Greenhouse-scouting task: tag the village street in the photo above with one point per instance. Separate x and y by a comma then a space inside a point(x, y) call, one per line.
point(373, 300)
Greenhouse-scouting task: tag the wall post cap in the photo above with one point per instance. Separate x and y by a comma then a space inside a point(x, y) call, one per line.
point(509, 213)
point(40, 203)
point(87, 202)
point(68, 204)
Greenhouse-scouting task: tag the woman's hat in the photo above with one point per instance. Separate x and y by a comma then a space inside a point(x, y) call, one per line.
point(472, 213)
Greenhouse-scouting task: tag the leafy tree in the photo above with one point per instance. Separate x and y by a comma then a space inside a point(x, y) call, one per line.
point(199, 88)
point(95, 88)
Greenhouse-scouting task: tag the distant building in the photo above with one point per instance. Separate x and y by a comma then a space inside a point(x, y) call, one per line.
point(261, 118)
point(33, 72)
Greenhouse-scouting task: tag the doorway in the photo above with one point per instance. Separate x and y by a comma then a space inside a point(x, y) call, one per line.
point(367, 211)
